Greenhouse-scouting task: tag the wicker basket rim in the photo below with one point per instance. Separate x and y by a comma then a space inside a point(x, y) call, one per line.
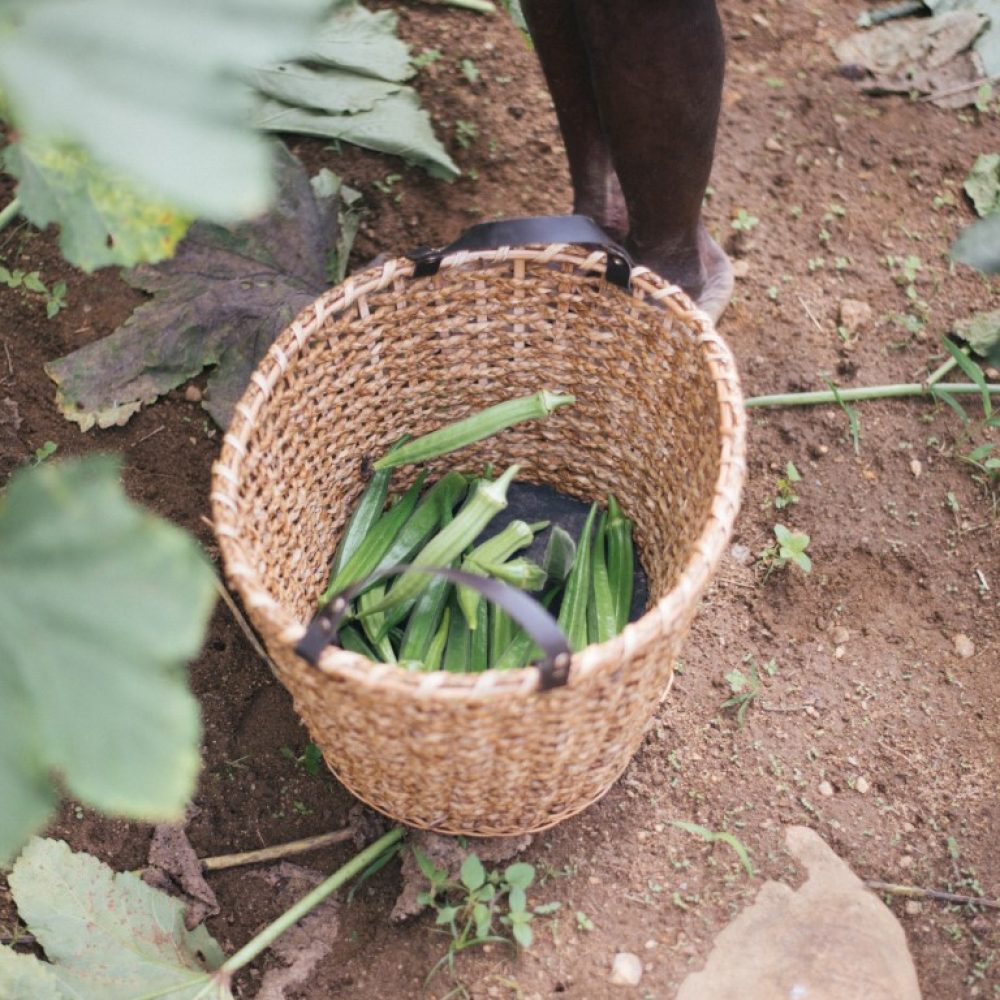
point(697, 572)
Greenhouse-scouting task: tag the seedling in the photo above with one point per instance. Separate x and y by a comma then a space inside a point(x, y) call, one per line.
point(470, 909)
point(743, 221)
point(47, 450)
point(786, 495)
point(427, 58)
point(721, 836)
point(469, 70)
point(466, 133)
point(583, 922)
point(745, 689)
point(790, 546)
point(55, 297)
point(309, 760)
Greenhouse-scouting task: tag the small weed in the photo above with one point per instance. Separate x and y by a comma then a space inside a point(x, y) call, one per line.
point(470, 908)
point(744, 691)
point(45, 451)
point(469, 70)
point(815, 264)
point(983, 97)
point(789, 547)
point(466, 133)
point(55, 297)
point(722, 837)
point(309, 760)
point(386, 186)
point(786, 495)
point(427, 58)
point(743, 221)
point(583, 922)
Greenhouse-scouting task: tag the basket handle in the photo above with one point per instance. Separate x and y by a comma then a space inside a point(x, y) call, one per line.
point(577, 229)
point(553, 668)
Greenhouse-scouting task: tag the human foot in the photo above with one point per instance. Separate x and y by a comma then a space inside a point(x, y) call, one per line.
point(706, 276)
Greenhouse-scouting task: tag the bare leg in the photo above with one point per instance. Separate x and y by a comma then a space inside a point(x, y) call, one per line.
point(565, 62)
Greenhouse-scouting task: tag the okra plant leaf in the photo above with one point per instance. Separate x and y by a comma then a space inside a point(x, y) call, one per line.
point(978, 245)
point(101, 605)
point(152, 90)
point(221, 300)
point(103, 219)
point(982, 330)
point(473, 874)
point(107, 936)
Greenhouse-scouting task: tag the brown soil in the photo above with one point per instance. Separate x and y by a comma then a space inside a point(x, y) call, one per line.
point(868, 684)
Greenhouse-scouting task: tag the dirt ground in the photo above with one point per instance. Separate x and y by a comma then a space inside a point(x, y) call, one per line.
point(872, 728)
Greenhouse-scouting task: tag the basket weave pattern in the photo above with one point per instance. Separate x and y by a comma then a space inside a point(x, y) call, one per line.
point(658, 421)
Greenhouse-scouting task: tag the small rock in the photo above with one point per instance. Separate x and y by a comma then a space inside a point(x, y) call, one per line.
point(964, 646)
point(192, 394)
point(906, 861)
point(912, 907)
point(825, 789)
point(626, 969)
point(741, 269)
point(838, 652)
point(650, 944)
point(916, 468)
point(854, 315)
point(862, 787)
point(773, 144)
point(840, 635)
point(741, 554)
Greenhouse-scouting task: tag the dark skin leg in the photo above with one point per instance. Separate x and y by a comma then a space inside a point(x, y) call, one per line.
point(637, 87)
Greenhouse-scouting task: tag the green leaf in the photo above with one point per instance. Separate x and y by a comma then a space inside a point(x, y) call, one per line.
point(974, 373)
point(978, 245)
point(722, 836)
point(151, 90)
point(946, 397)
point(334, 91)
point(446, 915)
point(24, 977)
point(983, 184)
point(483, 917)
point(110, 936)
point(101, 604)
point(102, 218)
point(736, 680)
point(353, 38)
point(473, 874)
point(545, 909)
point(220, 302)
point(430, 871)
point(517, 900)
point(396, 124)
point(982, 330)
point(519, 874)
point(522, 934)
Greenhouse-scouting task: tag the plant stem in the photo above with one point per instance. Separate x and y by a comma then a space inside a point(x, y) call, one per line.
point(279, 851)
point(11, 212)
point(871, 392)
point(479, 6)
point(939, 373)
point(307, 903)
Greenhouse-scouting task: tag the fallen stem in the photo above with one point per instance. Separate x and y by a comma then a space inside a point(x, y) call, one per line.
point(915, 892)
point(307, 903)
point(939, 373)
point(10, 212)
point(479, 6)
point(898, 391)
point(221, 861)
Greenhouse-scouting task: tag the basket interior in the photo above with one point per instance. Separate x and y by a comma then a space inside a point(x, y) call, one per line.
point(424, 352)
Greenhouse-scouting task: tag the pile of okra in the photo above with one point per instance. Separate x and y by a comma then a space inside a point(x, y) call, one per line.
point(424, 622)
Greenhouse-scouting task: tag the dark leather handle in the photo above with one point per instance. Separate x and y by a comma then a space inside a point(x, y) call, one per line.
point(577, 229)
point(553, 668)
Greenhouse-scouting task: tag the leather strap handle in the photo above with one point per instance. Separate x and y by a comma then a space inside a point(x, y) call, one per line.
point(553, 668)
point(576, 229)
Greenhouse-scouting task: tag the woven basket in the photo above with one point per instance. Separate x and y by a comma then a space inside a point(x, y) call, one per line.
point(658, 421)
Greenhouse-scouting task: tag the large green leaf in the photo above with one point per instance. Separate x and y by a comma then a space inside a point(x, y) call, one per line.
point(151, 89)
point(981, 332)
point(983, 184)
point(396, 124)
point(220, 301)
point(101, 604)
point(107, 936)
point(23, 977)
point(978, 245)
point(102, 217)
point(360, 40)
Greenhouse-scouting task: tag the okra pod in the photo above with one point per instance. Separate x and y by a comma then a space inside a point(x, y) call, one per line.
point(452, 540)
point(353, 641)
point(426, 518)
point(573, 612)
point(521, 573)
point(432, 658)
point(374, 624)
point(560, 551)
point(621, 562)
point(376, 543)
point(479, 648)
point(366, 513)
point(425, 618)
point(521, 649)
point(601, 600)
point(456, 652)
point(517, 535)
point(501, 632)
point(474, 428)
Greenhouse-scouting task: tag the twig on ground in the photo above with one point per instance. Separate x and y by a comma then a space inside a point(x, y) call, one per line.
point(146, 437)
point(805, 305)
point(915, 892)
point(278, 851)
point(959, 89)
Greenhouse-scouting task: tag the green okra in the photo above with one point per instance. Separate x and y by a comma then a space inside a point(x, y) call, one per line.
point(353, 641)
point(451, 541)
point(521, 649)
point(501, 632)
point(383, 533)
point(374, 624)
point(366, 513)
point(425, 618)
point(573, 612)
point(602, 602)
point(474, 428)
point(500, 547)
point(621, 562)
point(560, 551)
point(479, 647)
point(456, 652)
point(428, 515)
point(435, 650)
point(521, 573)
